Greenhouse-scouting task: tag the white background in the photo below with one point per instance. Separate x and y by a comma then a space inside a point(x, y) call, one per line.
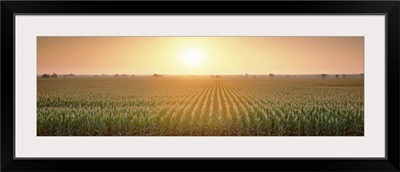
point(28, 27)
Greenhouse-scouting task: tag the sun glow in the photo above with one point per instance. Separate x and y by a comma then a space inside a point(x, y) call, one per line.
point(192, 56)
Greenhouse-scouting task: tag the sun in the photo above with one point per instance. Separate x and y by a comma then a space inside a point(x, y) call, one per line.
point(192, 56)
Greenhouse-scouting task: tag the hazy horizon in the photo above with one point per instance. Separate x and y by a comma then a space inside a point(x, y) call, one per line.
point(130, 74)
point(200, 55)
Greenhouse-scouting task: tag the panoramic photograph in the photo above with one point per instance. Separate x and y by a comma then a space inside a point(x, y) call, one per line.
point(200, 86)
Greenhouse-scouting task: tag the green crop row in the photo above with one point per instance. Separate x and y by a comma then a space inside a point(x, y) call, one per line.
point(200, 107)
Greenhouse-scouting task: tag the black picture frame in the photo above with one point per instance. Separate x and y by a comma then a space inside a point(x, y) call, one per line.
point(10, 8)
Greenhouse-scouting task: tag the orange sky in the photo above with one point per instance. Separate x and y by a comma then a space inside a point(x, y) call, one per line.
point(218, 55)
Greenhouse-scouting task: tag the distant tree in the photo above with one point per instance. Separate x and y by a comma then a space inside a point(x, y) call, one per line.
point(362, 75)
point(323, 76)
point(271, 75)
point(156, 75)
point(133, 75)
point(337, 76)
point(287, 76)
point(45, 76)
point(116, 75)
point(246, 74)
point(254, 76)
point(95, 75)
point(54, 75)
point(215, 76)
point(343, 76)
point(124, 75)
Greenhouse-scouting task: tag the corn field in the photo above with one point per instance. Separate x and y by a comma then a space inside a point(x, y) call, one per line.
point(200, 106)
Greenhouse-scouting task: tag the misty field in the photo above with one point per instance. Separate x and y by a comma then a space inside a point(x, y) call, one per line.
point(200, 106)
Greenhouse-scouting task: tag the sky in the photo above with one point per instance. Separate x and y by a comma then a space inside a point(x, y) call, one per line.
point(200, 55)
